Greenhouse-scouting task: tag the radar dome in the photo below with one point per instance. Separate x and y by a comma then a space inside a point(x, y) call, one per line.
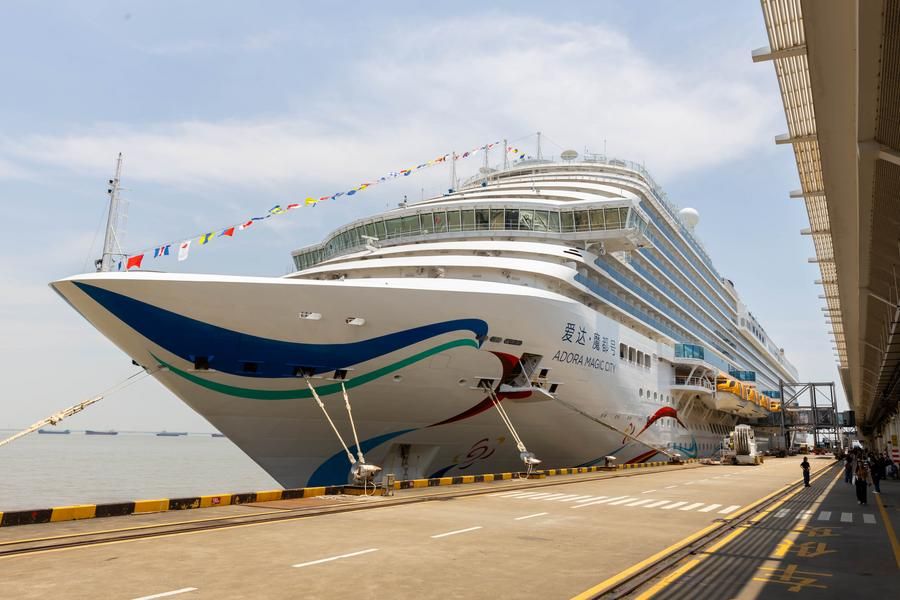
point(689, 216)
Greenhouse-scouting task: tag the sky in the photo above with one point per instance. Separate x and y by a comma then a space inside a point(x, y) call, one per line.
point(222, 111)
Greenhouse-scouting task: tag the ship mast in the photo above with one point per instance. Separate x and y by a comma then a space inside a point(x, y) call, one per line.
point(110, 241)
point(539, 145)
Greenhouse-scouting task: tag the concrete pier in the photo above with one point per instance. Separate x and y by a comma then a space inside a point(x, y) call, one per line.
point(553, 538)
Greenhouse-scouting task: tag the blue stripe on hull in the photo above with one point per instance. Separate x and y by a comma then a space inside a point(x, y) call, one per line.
point(228, 350)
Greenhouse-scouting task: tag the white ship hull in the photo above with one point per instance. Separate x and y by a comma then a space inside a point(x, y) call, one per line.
point(413, 369)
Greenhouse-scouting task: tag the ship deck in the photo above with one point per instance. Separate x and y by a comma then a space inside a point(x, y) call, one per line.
point(694, 531)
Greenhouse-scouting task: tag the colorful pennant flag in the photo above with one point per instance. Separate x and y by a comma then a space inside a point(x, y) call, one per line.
point(134, 262)
point(183, 250)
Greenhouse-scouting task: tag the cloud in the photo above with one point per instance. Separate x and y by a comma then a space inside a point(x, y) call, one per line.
point(411, 97)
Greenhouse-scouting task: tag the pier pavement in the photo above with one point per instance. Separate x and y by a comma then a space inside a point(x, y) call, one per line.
point(573, 536)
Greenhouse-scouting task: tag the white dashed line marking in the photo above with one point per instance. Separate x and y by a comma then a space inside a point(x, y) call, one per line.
point(691, 506)
point(167, 594)
point(648, 492)
point(729, 509)
point(440, 535)
point(846, 517)
point(657, 503)
point(869, 519)
point(710, 508)
point(331, 558)
point(825, 515)
point(530, 516)
point(781, 513)
point(673, 505)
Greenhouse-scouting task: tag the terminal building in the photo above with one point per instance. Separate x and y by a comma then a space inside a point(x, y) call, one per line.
point(840, 87)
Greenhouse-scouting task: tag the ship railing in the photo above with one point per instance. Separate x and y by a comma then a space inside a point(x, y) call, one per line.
point(695, 382)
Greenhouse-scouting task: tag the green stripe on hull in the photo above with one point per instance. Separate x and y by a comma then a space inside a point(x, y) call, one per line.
point(331, 388)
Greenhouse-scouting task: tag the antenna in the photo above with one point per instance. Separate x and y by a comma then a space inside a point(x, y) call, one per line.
point(110, 241)
point(539, 145)
point(505, 155)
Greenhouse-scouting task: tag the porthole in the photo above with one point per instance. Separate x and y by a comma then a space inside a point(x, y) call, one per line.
point(398, 378)
point(641, 392)
point(461, 382)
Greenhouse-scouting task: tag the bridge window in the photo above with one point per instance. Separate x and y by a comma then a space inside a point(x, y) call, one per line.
point(541, 220)
point(482, 218)
point(512, 218)
point(440, 221)
point(526, 220)
point(622, 351)
point(497, 221)
point(454, 221)
point(631, 355)
point(582, 223)
point(568, 222)
point(468, 220)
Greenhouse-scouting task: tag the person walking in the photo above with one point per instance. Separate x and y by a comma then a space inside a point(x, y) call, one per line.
point(848, 468)
point(805, 466)
point(862, 479)
point(877, 475)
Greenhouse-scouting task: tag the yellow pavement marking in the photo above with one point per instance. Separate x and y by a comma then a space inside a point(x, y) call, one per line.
point(637, 567)
point(888, 526)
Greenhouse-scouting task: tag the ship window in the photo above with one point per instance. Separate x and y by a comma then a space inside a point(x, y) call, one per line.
point(427, 222)
point(440, 221)
point(647, 360)
point(541, 220)
point(512, 342)
point(612, 218)
point(393, 227)
point(640, 358)
point(201, 363)
point(554, 221)
point(468, 220)
point(496, 339)
point(512, 219)
point(250, 367)
point(380, 231)
point(622, 351)
point(581, 221)
point(568, 222)
point(497, 221)
point(544, 373)
point(641, 392)
point(553, 388)
point(526, 220)
point(482, 218)
point(654, 395)
point(597, 220)
point(410, 224)
point(631, 355)
point(453, 221)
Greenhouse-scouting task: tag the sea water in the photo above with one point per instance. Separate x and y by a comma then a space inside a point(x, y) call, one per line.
point(42, 471)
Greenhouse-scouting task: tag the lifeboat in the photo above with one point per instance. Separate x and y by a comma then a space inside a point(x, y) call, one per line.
point(737, 398)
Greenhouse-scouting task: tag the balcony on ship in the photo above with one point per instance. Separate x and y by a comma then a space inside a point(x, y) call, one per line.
point(695, 379)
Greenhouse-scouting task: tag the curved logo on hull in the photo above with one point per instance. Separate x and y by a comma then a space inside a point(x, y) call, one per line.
point(228, 351)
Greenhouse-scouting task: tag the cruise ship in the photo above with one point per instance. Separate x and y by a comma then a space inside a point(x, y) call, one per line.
point(558, 310)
